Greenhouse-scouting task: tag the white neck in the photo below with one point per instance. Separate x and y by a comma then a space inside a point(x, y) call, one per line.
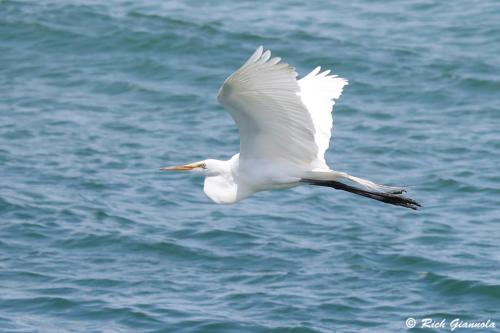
point(221, 182)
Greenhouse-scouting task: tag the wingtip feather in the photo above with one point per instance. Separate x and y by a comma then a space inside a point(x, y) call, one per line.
point(265, 56)
point(255, 56)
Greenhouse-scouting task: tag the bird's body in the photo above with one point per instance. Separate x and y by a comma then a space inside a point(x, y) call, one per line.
point(285, 127)
point(235, 180)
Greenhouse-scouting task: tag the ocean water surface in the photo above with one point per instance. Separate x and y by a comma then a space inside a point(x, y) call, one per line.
point(95, 96)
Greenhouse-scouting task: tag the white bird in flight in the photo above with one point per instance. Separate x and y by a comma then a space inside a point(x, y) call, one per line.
point(285, 127)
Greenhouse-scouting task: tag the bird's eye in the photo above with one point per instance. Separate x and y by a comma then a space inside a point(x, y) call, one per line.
point(203, 165)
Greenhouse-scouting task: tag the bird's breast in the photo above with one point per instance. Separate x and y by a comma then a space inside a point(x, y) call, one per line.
point(221, 189)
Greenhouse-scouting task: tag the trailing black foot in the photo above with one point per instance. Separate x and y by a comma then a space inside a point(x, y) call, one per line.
point(391, 198)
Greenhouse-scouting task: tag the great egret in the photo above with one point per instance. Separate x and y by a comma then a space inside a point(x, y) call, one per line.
point(285, 127)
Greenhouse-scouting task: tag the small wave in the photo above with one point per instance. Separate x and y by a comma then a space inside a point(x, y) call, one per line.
point(40, 303)
point(213, 326)
point(456, 287)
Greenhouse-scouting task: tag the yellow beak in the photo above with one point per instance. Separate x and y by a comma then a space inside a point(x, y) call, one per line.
point(186, 167)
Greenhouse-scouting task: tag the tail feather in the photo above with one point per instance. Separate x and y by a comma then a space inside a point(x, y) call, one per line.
point(393, 198)
point(373, 186)
point(338, 175)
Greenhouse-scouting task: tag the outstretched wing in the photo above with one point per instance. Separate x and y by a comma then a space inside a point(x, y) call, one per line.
point(263, 99)
point(318, 92)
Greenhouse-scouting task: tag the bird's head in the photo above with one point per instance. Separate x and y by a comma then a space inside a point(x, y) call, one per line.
point(206, 167)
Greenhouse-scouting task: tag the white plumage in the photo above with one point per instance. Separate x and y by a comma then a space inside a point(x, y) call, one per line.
point(285, 128)
point(318, 92)
point(263, 97)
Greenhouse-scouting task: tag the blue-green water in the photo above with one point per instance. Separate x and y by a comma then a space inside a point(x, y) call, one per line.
point(96, 96)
